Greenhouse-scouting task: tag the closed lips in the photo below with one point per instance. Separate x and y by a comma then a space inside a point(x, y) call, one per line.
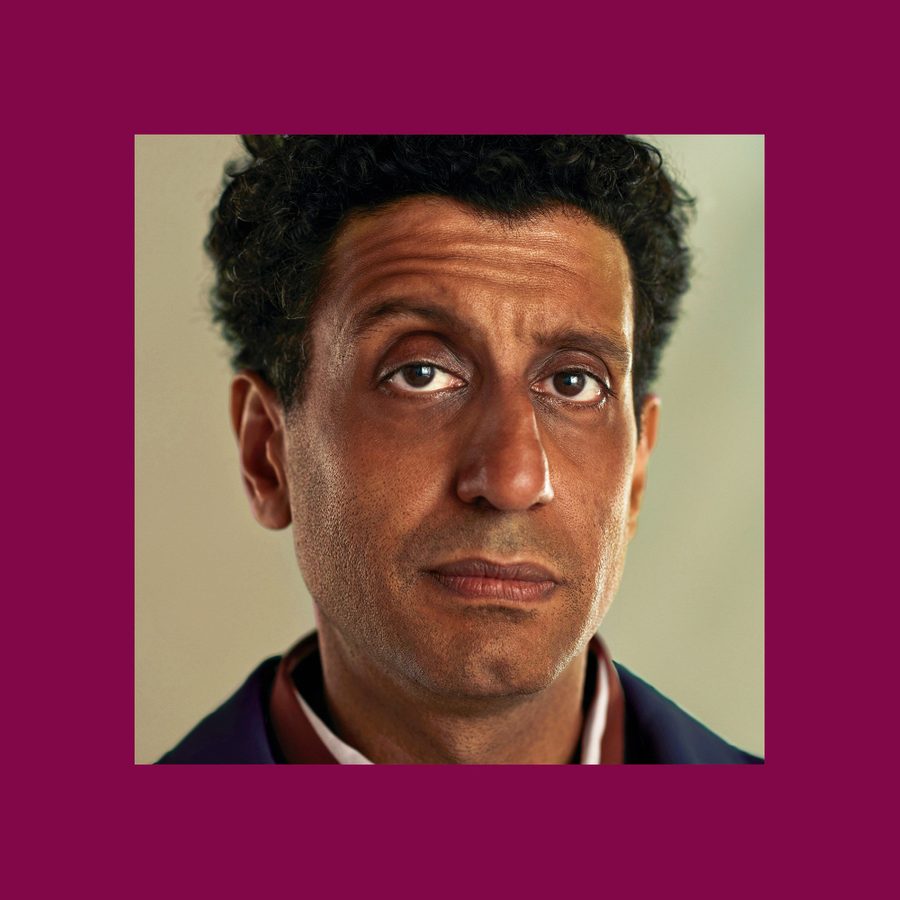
point(479, 568)
point(481, 580)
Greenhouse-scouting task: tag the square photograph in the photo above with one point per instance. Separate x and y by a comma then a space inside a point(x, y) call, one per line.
point(449, 449)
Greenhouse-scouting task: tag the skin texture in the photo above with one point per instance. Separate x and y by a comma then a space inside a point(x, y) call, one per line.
point(385, 472)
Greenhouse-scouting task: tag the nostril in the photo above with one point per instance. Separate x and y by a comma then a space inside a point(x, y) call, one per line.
point(510, 481)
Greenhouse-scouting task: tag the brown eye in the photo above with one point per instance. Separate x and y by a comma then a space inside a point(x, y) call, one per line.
point(576, 386)
point(569, 384)
point(418, 375)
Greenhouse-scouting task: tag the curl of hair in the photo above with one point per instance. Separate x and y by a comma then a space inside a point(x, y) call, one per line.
point(281, 209)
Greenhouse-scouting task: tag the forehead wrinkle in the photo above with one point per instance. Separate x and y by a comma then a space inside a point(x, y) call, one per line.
point(383, 256)
point(506, 293)
point(371, 318)
point(406, 230)
point(495, 265)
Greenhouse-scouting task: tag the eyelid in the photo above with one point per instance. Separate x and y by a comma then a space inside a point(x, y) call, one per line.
point(389, 377)
point(604, 393)
point(420, 347)
point(574, 359)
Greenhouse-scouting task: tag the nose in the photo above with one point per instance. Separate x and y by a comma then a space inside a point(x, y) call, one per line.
point(503, 463)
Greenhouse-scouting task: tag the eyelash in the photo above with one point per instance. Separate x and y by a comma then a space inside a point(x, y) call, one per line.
point(416, 363)
point(606, 392)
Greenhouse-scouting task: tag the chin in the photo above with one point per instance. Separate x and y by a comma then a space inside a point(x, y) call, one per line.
point(478, 667)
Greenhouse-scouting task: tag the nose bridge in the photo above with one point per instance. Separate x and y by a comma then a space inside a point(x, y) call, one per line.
point(504, 461)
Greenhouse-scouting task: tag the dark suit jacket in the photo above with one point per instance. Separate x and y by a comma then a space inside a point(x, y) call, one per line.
point(656, 730)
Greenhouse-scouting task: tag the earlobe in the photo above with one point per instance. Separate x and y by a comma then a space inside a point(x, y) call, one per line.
point(649, 424)
point(258, 423)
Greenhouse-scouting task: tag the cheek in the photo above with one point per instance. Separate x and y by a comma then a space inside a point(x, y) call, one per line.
point(400, 458)
point(322, 506)
point(613, 540)
point(594, 511)
point(355, 493)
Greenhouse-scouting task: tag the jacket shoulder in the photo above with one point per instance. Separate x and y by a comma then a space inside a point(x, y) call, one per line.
point(659, 731)
point(236, 732)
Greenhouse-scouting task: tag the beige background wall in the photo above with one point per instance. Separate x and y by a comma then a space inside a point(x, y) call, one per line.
point(215, 593)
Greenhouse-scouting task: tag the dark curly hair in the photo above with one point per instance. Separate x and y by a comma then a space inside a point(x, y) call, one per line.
point(280, 211)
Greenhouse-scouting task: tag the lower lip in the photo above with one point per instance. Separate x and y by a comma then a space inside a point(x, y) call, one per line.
point(477, 588)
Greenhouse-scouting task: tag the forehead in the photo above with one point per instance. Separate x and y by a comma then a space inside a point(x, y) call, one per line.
point(556, 267)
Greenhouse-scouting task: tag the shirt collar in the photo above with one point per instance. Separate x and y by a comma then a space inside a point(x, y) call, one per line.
point(304, 738)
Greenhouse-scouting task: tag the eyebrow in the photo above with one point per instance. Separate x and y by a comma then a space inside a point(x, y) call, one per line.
point(369, 319)
point(599, 343)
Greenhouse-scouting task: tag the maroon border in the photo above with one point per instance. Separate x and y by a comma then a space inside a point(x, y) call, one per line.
point(84, 814)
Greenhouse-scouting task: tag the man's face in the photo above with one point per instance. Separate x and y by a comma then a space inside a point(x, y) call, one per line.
point(468, 401)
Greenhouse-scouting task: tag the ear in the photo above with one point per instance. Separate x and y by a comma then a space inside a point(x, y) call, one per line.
point(649, 423)
point(258, 423)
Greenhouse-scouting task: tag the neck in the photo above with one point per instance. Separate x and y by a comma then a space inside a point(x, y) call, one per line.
point(390, 719)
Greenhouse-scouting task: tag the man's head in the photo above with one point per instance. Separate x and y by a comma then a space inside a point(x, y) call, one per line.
point(439, 367)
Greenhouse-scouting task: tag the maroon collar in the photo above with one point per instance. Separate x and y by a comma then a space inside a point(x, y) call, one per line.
point(300, 744)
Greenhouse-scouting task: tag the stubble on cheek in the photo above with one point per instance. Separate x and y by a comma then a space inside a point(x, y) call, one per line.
point(611, 547)
point(345, 529)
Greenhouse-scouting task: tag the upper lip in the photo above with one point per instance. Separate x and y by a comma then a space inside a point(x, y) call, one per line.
point(485, 568)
